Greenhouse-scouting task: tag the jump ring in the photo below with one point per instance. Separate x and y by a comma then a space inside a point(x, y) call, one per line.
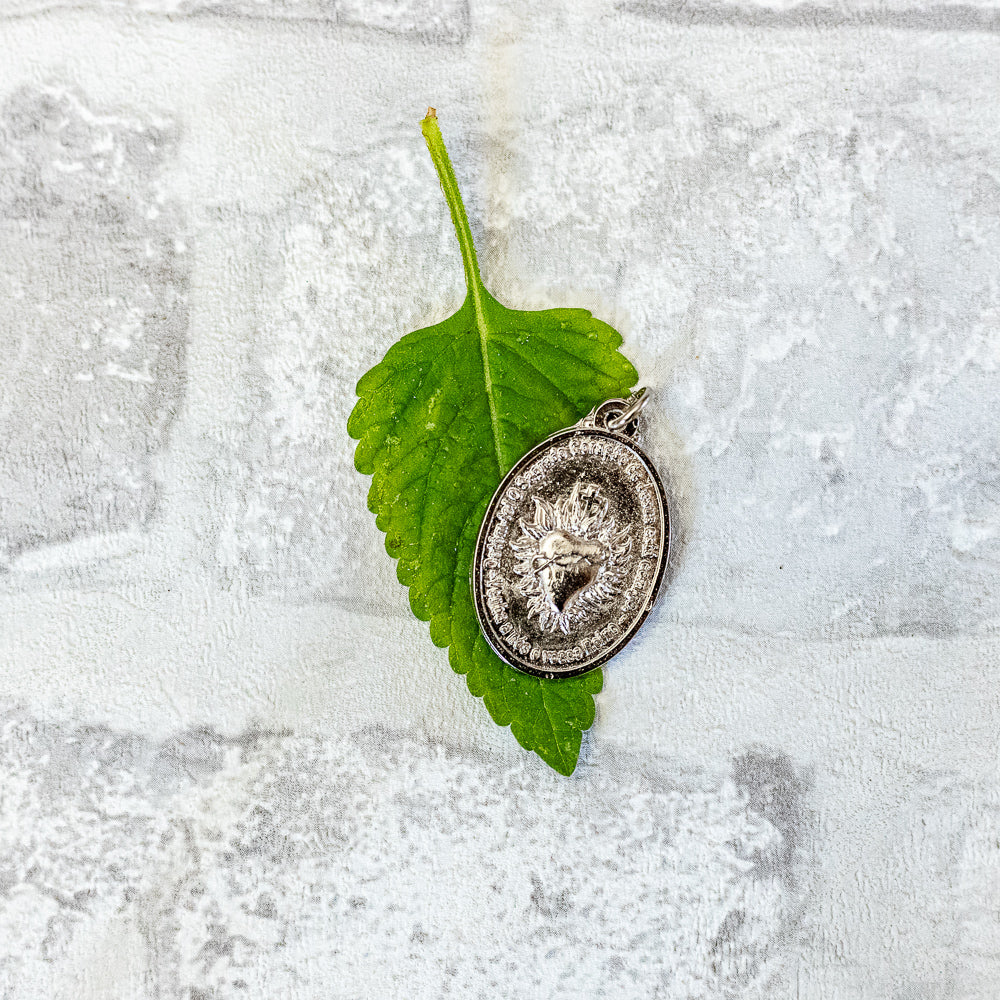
point(629, 414)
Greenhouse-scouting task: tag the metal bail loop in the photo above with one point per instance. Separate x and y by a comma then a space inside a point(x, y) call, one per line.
point(631, 411)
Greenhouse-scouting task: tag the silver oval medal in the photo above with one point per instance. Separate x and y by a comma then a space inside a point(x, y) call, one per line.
point(573, 547)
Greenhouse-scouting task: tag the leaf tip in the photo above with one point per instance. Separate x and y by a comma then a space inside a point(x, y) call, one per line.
point(561, 753)
point(563, 761)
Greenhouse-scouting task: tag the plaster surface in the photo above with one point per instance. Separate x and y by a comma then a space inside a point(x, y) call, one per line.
point(231, 762)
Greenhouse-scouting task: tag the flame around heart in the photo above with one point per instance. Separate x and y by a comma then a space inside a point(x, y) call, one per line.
point(570, 558)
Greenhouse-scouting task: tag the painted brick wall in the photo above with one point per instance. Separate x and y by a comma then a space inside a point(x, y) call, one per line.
point(233, 765)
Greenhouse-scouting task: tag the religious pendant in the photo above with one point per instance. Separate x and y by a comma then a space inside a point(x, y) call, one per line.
point(573, 546)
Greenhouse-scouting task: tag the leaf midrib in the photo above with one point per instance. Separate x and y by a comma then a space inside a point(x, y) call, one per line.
point(483, 328)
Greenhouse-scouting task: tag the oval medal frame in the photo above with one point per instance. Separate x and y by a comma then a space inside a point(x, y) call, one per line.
point(573, 547)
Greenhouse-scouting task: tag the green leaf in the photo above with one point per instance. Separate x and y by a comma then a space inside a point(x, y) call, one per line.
point(439, 422)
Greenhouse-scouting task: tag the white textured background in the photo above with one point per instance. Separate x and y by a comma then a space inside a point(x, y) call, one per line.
point(232, 765)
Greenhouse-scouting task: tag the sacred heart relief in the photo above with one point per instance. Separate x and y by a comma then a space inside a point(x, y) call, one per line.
point(571, 558)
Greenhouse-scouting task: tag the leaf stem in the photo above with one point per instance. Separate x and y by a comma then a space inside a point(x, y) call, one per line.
point(477, 291)
point(446, 174)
